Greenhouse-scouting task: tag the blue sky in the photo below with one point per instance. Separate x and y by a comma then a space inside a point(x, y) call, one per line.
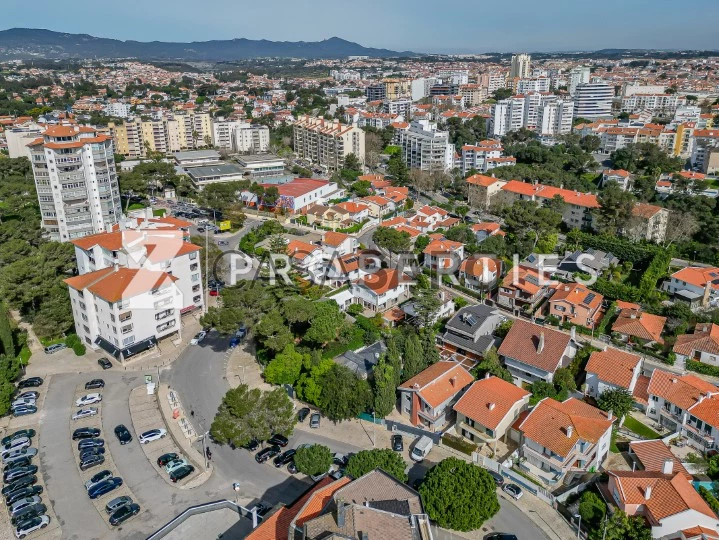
point(418, 25)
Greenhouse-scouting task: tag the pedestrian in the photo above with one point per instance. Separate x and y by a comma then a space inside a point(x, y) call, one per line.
point(192, 413)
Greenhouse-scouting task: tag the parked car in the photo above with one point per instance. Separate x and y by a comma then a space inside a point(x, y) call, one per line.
point(16, 444)
point(223, 243)
point(164, 459)
point(267, 453)
point(95, 383)
point(32, 382)
point(23, 462)
point(302, 414)
point(152, 435)
point(22, 493)
point(182, 472)
point(31, 525)
point(198, 338)
point(291, 467)
point(92, 461)
point(23, 503)
point(18, 472)
point(253, 445)
point(29, 433)
point(97, 478)
point(89, 452)
point(315, 420)
point(106, 486)
point(85, 433)
point(22, 403)
point(24, 410)
point(117, 502)
point(84, 413)
point(500, 536)
point(35, 510)
point(123, 434)
point(124, 513)
point(52, 349)
point(498, 478)
point(284, 458)
point(32, 394)
point(279, 440)
point(340, 460)
point(25, 481)
point(19, 454)
point(89, 399)
point(104, 363)
point(234, 342)
point(513, 490)
point(175, 464)
point(397, 443)
point(89, 443)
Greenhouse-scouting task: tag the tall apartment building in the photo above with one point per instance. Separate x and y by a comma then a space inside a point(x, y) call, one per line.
point(117, 109)
point(375, 92)
point(426, 148)
point(473, 94)
point(555, 118)
point(398, 106)
point(520, 66)
point(506, 115)
point(593, 100)
point(578, 75)
point(536, 84)
point(238, 136)
point(223, 133)
point(197, 128)
point(658, 104)
point(537, 111)
point(397, 88)
point(76, 181)
point(327, 142)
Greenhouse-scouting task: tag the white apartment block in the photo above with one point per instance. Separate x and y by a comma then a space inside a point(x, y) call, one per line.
point(538, 84)
point(555, 118)
point(630, 89)
point(223, 133)
point(663, 104)
point(18, 137)
point(593, 100)
point(117, 109)
point(327, 142)
point(426, 148)
point(252, 138)
point(506, 115)
point(578, 75)
point(520, 66)
point(398, 107)
point(76, 181)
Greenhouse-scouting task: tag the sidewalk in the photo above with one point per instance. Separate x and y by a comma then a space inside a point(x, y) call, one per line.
point(242, 367)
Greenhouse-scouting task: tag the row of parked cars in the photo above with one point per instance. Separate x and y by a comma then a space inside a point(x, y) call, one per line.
point(22, 495)
point(120, 508)
point(175, 465)
point(25, 402)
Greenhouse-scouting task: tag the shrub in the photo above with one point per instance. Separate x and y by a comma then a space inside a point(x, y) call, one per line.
point(709, 497)
point(704, 369)
point(313, 460)
point(368, 460)
point(459, 444)
point(79, 349)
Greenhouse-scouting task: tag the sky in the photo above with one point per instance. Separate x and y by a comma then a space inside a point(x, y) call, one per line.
point(418, 25)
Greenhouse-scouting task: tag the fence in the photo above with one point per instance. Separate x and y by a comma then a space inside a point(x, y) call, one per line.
point(411, 430)
point(530, 486)
point(196, 510)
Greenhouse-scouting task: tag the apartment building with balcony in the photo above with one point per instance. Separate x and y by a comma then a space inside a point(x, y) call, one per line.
point(425, 147)
point(327, 142)
point(76, 181)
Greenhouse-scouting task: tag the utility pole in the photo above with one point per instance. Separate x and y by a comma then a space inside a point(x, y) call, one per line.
point(207, 272)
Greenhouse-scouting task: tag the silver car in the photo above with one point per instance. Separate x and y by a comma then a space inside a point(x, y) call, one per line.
point(18, 455)
point(117, 502)
point(84, 413)
point(19, 402)
point(23, 503)
point(12, 446)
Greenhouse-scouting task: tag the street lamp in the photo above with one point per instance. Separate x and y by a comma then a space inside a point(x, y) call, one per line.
point(236, 487)
point(579, 524)
point(204, 449)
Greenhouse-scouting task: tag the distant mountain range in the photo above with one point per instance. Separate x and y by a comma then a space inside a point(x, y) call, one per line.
point(24, 43)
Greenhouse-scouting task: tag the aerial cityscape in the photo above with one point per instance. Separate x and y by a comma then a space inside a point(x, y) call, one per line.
point(384, 275)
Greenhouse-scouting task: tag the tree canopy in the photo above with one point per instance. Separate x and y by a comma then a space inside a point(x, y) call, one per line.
point(313, 460)
point(378, 458)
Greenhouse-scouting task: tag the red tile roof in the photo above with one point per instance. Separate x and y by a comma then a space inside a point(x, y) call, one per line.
point(489, 400)
point(482, 180)
point(636, 323)
point(439, 382)
point(704, 339)
point(698, 276)
point(334, 239)
point(114, 285)
point(653, 454)
point(382, 281)
point(614, 366)
point(522, 343)
point(683, 391)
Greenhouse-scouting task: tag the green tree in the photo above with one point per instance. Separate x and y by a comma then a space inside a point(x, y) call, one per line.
point(429, 346)
point(618, 400)
point(343, 395)
point(619, 526)
point(278, 245)
point(6, 340)
point(459, 495)
point(385, 389)
point(492, 365)
point(426, 305)
point(286, 367)
point(313, 460)
point(397, 169)
point(366, 461)
point(325, 322)
point(392, 240)
point(592, 509)
point(413, 357)
point(309, 386)
point(615, 211)
point(273, 332)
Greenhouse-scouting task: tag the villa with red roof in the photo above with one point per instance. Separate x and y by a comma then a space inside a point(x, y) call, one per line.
point(441, 254)
point(620, 176)
point(574, 303)
point(337, 244)
point(298, 194)
point(482, 189)
point(382, 290)
point(633, 323)
point(695, 285)
point(701, 346)
point(611, 369)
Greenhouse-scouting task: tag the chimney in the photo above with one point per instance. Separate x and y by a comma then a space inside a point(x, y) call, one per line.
point(487, 375)
point(701, 398)
point(674, 380)
point(610, 415)
point(340, 513)
point(570, 431)
point(491, 406)
point(453, 380)
point(540, 346)
point(647, 493)
point(668, 466)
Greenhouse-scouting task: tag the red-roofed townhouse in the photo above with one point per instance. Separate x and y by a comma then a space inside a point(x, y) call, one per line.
point(337, 244)
point(479, 273)
point(356, 210)
point(350, 268)
point(564, 438)
point(633, 324)
point(381, 290)
point(695, 285)
point(432, 215)
point(620, 176)
point(482, 189)
point(298, 194)
point(486, 229)
point(700, 346)
point(522, 286)
point(428, 397)
point(574, 303)
point(378, 206)
point(443, 254)
point(307, 258)
point(488, 409)
point(686, 405)
point(612, 369)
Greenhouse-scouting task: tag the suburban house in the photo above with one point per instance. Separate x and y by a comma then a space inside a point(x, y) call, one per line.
point(634, 324)
point(666, 499)
point(611, 369)
point(350, 267)
point(481, 190)
point(488, 409)
point(649, 223)
point(443, 254)
point(433, 215)
point(620, 176)
point(427, 398)
point(381, 290)
point(575, 304)
point(531, 352)
point(479, 273)
point(589, 261)
point(653, 455)
point(486, 229)
point(695, 285)
point(470, 332)
point(522, 287)
point(330, 217)
point(561, 440)
point(362, 361)
point(356, 211)
point(685, 405)
point(336, 244)
point(701, 346)
point(378, 206)
point(307, 258)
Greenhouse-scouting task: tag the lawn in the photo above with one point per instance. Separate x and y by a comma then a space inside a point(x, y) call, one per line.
point(634, 425)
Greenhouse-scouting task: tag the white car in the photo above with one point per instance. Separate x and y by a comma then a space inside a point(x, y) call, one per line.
point(12, 446)
point(152, 435)
point(31, 525)
point(198, 337)
point(19, 402)
point(513, 490)
point(24, 503)
point(89, 399)
point(19, 454)
point(84, 413)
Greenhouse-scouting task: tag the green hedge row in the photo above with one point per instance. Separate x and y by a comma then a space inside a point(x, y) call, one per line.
point(625, 249)
point(704, 369)
point(458, 444)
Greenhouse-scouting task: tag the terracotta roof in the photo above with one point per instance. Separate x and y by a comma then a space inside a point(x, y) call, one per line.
point(352, 207)
point(683, 391)
point(482, 180)
point(614, 366)
point(409, 230)
point(334, 239)
point(115, 285)
point(527, 279)
point(382, 281)
point(707, 410)
point(440, 247)
point(698, 276)
point(639, 324)
point(616, 172)
point(704, 339)
point(522, 343)
point(113, 241)
point(169, 250)
point(691, 175)
point(646, 211)
point(700, 533)
point(488, 227)
point(85, 280)
point(576, 294)
point(489, 400)
point(477, 266)
point(318, 501)
point(547, 424)
point(577, 198)
point(298, 186)
point(670, 494)
point(439, 382)
point(653, 454)
point(641, 390)
point(298, 249)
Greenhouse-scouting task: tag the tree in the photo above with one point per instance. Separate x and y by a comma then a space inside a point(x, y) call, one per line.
point(325, 322)
point(392, 240)
point(617, 400)
point(385, 389)
point(616, 207)
point(272, 332)
point(429, 346)
point(286, 367)
point(564, 380)
point(413, 357)
point(426, 305)
point(397, 168)
point(459, 495)
point(352, 162)
point(247, 414)
point(619, 526)
point(592, 509)
point(7, 344)
point(309, 386)
point(343, 395)
point(491, 364)
point(313, 460)
point(366, 461)
point(278, 245)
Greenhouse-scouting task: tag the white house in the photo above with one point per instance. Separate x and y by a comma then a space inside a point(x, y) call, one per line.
point(695, 283)
point(702, 345)
point(336, 244)
point(305, 257)
point(441, 254)
point(381, 290)
point(611, 369)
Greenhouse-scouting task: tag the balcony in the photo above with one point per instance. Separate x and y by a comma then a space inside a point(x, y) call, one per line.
point(547, 458)
point(164, 314)
point(125, 316)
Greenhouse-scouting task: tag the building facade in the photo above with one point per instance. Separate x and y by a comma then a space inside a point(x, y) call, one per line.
point(327, 142)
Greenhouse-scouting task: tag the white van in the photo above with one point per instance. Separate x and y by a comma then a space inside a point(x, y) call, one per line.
point(421, 448)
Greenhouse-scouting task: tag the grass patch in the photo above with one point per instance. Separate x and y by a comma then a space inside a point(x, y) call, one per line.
point(25, 354)
point(635, 426)
point(136, 206)
point(159, 212)
point(613, 443)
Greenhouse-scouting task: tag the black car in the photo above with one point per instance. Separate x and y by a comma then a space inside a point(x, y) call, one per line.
point(25, 481)
point(303, 413)
point(104, 363)
point(89, 443)
point(92, 461)
point(164, 459)
point(85, 433)
point(22, 493)
point(267, 453)
point(284, 458)
point(124, 513)
point(18, 472)
point(279, 440)
point(24, 462)
point(32, 382)
point(88, 452)
point(181, 472)
point(30, 512)
point(95, 383)
point(397, 443)
point(498, 478)
point(253, 445)
point(123, 434)
point(500, 536)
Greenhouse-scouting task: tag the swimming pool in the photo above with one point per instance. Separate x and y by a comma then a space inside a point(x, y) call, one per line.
point(708, 484)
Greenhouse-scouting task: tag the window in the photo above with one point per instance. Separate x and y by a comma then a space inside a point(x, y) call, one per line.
point(127, 329)
point(128, 341)
point(195, 277)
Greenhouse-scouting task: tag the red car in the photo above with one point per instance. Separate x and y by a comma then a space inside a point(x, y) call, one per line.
point(213, 292)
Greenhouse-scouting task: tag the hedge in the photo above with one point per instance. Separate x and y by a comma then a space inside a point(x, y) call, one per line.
point(602, 328)
point(625, 249)
point(614, 290)
point(459, 444)
point(709, 497)
point(657, 269)
point(704, 369)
